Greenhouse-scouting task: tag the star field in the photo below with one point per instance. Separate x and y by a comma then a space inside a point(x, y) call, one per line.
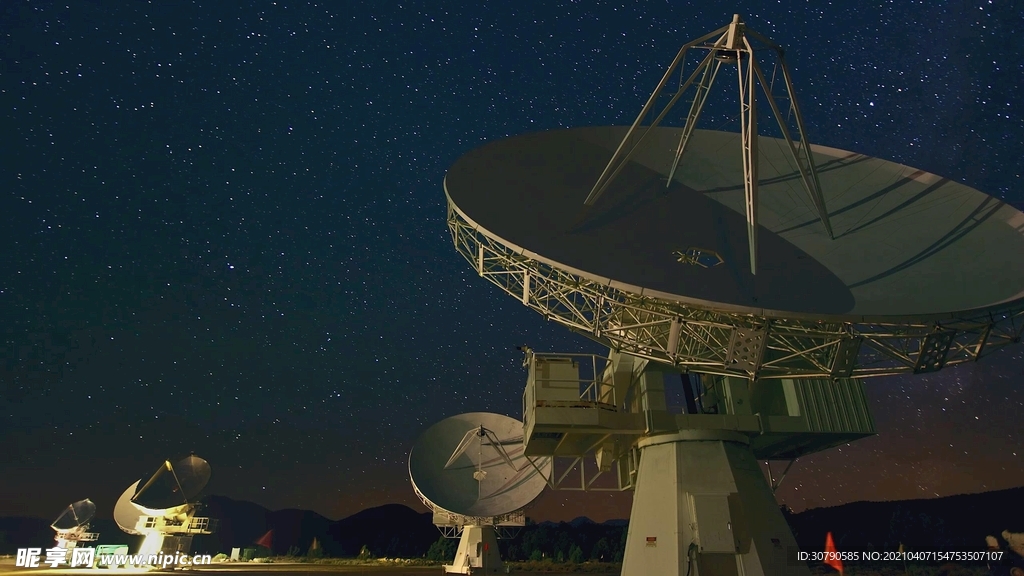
point(224, 229)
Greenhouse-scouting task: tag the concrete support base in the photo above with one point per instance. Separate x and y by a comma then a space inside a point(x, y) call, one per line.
point(477, 553)
point(702, 507)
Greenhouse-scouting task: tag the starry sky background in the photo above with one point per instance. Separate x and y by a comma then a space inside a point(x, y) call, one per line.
point(223, 230)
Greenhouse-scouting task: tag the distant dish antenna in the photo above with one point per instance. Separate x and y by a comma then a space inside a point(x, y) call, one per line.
point(471, 472)
point(72, 526)
point(164, 508)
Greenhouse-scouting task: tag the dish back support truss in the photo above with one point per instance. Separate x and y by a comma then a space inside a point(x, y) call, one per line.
point(444, 518)
point(501, 532)
point(574, 474)
point(733, 343)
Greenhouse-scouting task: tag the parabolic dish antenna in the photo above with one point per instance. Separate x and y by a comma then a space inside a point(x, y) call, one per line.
point(472, 473)
point(174, 484)
point(75, 515)
point(127, 514)
point(72, 526)
point(923, 271)
point(472, 465)
point(907, 243)
point(163, 509)
point(169, 490)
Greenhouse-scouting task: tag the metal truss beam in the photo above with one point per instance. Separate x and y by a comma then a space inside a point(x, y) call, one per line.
point(698, 339)
point(579, 477)
point(514, 518)
point(772, 480)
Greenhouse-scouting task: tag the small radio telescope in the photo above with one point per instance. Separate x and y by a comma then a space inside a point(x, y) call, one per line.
point(768, 276)
point(164, 508)
point(72, 526)
point(471, 473)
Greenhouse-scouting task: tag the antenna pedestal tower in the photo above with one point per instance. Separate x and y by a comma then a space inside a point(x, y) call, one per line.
point(172, 533)
point(477, 552)
point(701, 506)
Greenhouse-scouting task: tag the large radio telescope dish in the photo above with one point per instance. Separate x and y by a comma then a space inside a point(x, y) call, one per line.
point(777, 271)
point(472, 466)
point(169, 491)
point(908, 243)
point(928, 271)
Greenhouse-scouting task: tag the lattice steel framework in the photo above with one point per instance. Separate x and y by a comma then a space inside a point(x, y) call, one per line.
point(732, 343)
point(514, 518)
point(578, 477)
point(500, 532)
point(77, 535)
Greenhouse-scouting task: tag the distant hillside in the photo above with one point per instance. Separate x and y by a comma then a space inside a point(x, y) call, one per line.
point(388, 530)
point(242, 523)
point(955, 522)
point(392, 530)
point(951, 523)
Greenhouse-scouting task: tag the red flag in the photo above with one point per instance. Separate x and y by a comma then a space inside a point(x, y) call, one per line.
point(831, 555)
point(266, 539)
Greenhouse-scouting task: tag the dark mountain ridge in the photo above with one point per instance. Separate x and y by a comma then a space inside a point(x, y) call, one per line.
point(947, 523)
point(394, 530)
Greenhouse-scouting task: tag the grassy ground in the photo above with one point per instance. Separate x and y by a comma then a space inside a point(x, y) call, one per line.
point(396, 566)
point(545, 566)
point(567, 567)
point(550, 567)
point(349, 561)
point(534, 567)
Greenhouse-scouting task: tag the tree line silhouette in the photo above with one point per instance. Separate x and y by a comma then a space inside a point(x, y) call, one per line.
point(562, 542)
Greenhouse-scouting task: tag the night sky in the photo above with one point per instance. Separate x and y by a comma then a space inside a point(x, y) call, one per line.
point(223, 230)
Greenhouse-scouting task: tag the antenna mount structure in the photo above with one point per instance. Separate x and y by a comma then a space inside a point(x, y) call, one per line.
point(164, 508)
point(733, 46)
point(771, 370)
point(72, 526)
point(478, 490)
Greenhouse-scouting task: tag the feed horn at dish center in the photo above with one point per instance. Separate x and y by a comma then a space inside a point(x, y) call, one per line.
point(765, 276)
